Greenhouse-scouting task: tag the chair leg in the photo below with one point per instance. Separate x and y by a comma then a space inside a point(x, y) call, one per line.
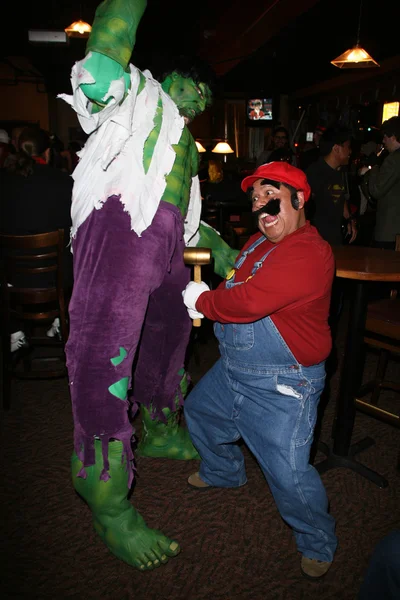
point(6, 372)
point(380, 373)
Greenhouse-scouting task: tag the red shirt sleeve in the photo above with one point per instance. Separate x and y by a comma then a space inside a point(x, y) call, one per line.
point(295, 273)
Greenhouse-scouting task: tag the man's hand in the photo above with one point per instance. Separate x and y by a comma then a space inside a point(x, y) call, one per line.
point(352, 230)
point(190, 296)
point(195, 314)
point(363, 170)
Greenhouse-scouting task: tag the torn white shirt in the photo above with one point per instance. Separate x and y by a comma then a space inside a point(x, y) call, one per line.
point(111, 162)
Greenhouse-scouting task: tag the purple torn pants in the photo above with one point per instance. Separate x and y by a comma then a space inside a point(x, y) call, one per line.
point(126, 305)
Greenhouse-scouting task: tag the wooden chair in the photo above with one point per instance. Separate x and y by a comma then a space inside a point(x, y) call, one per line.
point(382, 332)
point(37, 261)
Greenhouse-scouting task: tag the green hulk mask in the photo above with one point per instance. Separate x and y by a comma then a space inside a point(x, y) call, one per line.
point(190, 97)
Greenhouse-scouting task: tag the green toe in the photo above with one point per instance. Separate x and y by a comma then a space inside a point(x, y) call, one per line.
point(115, 519)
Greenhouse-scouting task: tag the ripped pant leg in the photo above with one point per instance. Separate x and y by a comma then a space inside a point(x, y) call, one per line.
point(165, 338)
point(115, 274)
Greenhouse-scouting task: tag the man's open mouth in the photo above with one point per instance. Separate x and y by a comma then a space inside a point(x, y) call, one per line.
point(268, 220)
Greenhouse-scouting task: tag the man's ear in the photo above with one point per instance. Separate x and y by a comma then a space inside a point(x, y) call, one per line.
point(301, 199)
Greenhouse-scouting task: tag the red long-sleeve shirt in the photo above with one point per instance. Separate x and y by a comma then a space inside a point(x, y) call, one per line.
point(293, 287)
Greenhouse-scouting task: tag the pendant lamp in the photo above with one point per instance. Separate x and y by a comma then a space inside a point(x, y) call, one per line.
point(79, 29)
point(356, 57)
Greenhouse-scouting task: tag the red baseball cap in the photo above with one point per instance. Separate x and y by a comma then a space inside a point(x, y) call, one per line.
point(280, 171)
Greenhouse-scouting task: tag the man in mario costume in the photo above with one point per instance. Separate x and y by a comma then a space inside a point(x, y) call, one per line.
point(271, 321)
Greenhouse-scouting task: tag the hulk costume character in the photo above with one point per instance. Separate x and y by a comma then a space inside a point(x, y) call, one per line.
point(136, 204)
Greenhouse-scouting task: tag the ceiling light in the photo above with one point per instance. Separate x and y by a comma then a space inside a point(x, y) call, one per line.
point(356, 57)
point(79, 29)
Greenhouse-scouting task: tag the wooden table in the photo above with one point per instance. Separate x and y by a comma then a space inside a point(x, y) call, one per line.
point(361, 265)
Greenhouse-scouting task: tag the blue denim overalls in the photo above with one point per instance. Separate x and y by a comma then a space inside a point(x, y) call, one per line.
point(258, 391)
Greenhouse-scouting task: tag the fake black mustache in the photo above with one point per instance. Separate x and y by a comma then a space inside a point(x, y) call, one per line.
point(273, 207)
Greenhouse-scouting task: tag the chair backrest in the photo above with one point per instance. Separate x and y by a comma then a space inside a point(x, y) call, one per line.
point(32, 276)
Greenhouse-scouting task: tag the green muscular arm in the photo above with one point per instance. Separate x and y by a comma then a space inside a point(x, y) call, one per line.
point(224, 256)
point(111, 42)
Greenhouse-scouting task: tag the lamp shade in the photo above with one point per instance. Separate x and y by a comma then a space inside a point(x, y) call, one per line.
point(222, 148)
point(355, 58)
point(200, 147)
point(78, 29)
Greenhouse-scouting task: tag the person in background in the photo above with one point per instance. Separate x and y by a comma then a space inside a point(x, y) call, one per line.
point(312, 153)
point(15, 133)
point(13, 145)
point(271, 321)
point(330, 188)
point(367, 209)
point(36, 198)
point(5, 148)
point(383, 184)
point(281, 154)
point(330, 213)
point(280, 141)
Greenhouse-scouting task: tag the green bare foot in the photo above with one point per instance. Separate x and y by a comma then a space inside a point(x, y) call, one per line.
point(115, 519)
point(129, 539)
point(165, 440)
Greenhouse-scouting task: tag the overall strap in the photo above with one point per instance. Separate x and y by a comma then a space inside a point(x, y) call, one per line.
point(249, 250)
point(230, 282)
point(259, 263)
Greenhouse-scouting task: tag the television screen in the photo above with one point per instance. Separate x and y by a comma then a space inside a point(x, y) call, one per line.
point(259, 109)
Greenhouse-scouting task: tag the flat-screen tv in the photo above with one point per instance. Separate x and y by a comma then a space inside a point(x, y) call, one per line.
point(259, 111)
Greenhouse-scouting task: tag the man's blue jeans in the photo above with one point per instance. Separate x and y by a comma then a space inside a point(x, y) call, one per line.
point(258, 392)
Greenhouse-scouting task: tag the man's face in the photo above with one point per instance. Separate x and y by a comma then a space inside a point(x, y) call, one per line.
point(390, 142)
point(280, 139)
point(191, 98)
point(276, 227)
point(344, 152)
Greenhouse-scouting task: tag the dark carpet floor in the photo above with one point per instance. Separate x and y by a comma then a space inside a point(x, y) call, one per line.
point(234, 544)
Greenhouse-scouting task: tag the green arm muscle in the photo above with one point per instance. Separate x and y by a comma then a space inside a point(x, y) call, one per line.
point(114, 29)
point(224, 256)
point(111, 42)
